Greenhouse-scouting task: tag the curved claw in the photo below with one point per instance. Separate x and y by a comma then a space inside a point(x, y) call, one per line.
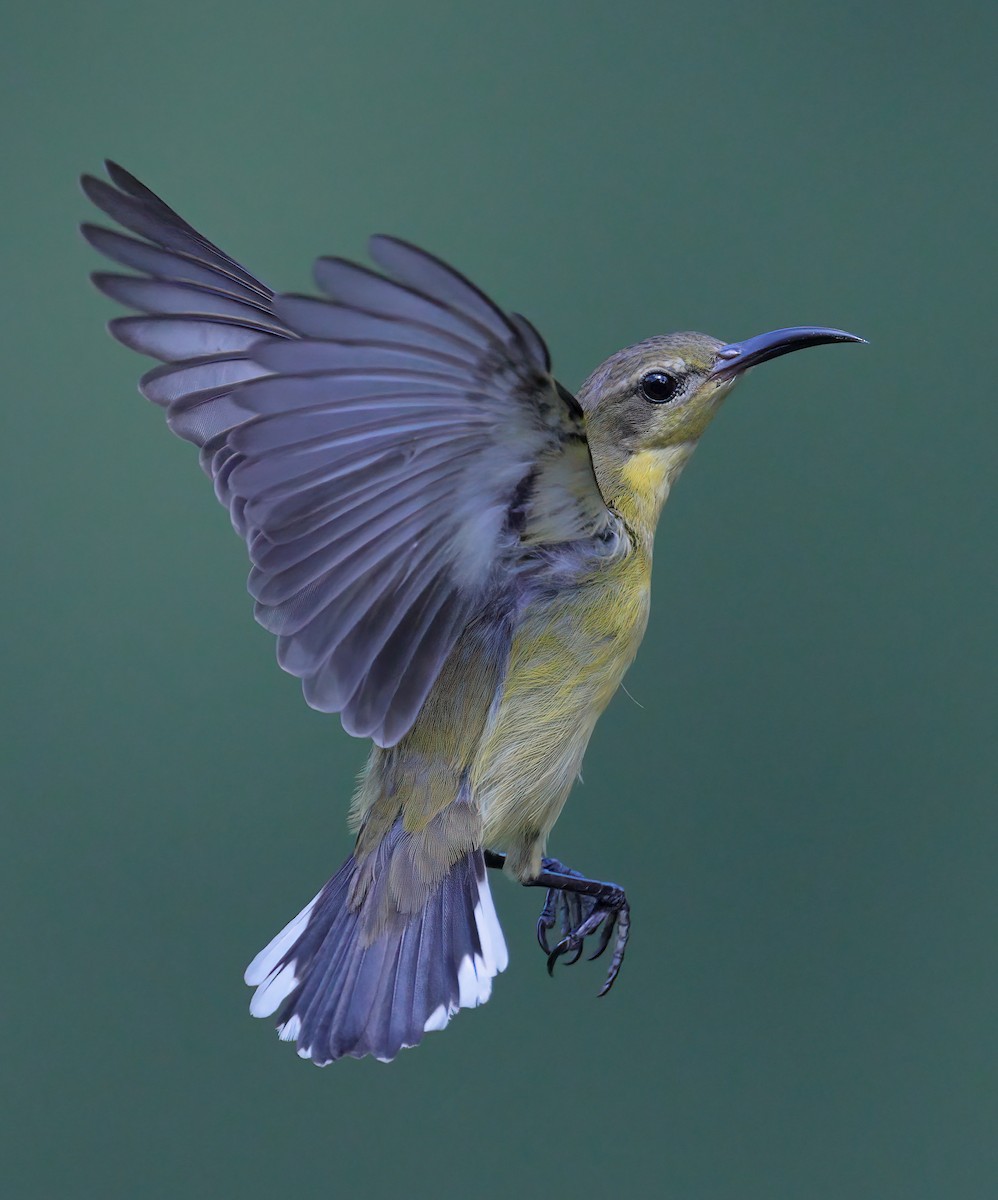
point(542, 934)
point(582, 909)
point(608, 983)
point(570, 962)
point(566, 946)
point(623, 932)
point(547, 919)
point(608, 927)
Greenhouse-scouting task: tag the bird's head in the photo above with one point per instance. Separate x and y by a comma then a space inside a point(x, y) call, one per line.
point(647, 406)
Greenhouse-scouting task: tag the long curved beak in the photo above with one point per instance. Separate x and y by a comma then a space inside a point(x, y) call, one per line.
point(739, 356)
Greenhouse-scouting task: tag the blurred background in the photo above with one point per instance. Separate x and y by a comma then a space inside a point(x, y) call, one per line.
point(799, 797)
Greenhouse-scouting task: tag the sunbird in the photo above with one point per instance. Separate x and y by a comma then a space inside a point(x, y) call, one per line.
point(454, 552)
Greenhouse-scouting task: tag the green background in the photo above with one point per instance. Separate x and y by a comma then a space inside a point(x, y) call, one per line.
point(801, 803)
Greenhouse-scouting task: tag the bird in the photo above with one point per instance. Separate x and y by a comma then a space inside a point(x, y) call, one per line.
point(454, 553)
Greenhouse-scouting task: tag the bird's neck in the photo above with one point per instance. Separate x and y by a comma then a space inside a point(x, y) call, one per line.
point(637, 485)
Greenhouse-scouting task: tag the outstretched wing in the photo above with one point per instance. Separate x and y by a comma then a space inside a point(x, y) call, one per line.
point(392, 453)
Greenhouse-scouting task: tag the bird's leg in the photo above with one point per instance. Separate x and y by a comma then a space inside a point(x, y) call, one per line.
point(569, 905)
point(584, 905)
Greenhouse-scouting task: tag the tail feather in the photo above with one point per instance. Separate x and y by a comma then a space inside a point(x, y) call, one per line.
point(337, 994)
point(269, 971)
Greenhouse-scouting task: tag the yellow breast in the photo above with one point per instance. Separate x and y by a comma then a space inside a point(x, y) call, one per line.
point(568, 657)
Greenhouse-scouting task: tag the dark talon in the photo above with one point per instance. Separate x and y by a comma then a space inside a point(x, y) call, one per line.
point(623, 930)
point(542, 936)
point(583, 906)
point(570, 962)
point(547, 919)
point(565, 946)
point(571, 913)
point(608, 927)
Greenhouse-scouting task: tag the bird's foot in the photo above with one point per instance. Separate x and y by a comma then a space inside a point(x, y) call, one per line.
point(581, 906)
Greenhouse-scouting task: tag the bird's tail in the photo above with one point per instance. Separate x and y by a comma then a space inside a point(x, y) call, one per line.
point(337, 990)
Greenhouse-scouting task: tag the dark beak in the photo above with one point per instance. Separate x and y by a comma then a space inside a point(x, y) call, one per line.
point(737, 357)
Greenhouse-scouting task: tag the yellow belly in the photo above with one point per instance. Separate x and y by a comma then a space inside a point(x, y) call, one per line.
point(567, 660)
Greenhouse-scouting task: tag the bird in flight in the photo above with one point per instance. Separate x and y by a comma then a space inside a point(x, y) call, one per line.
point(454, 553)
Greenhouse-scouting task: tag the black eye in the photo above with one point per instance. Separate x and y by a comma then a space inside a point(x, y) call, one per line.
point(658, 387)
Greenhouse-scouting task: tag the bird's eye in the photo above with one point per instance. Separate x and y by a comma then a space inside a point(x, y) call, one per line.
point(658, 387)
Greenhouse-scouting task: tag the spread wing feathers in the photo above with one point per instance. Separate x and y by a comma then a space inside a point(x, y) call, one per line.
point(201, 311)
point(390, 452)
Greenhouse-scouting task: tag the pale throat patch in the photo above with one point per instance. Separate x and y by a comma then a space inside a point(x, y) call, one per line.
point(651, 473)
